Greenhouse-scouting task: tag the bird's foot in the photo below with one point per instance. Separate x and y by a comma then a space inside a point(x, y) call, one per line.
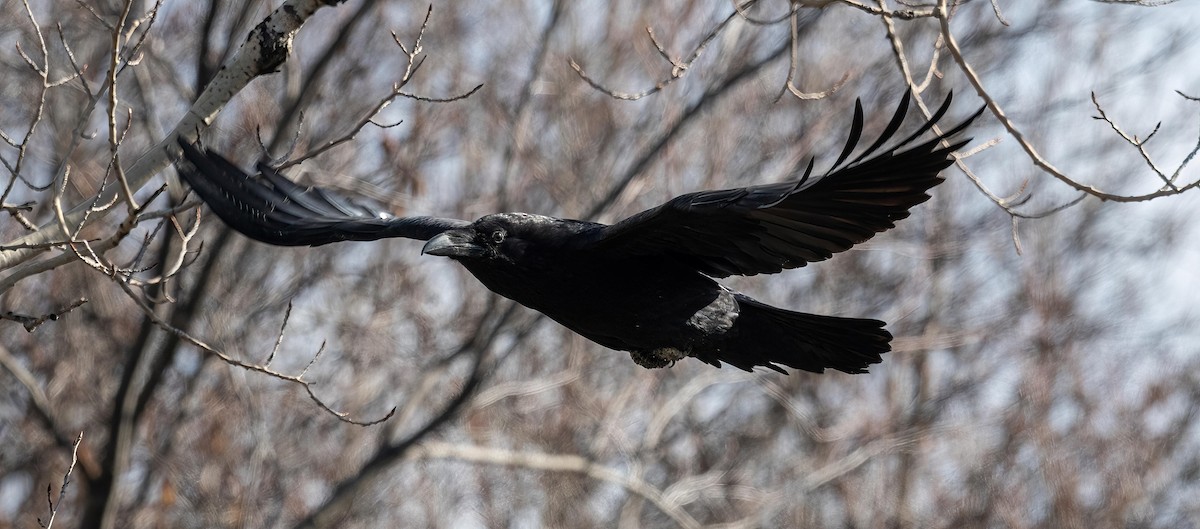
point(664, 357)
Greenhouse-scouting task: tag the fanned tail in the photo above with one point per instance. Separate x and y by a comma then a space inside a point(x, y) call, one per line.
point(773, 337)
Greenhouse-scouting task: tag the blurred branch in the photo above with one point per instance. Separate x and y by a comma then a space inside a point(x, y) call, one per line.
point(678, 403)
point(482, 339)
point(332, 54)
point(556, 463)
point(860, 456)
point(39, 403)
point(331, 513)
point(521, 112)
point(523, 388)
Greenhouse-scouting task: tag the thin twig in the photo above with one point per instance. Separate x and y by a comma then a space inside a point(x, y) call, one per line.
point(999, 15)
point(1143, 3)
point(287, 314)
point(257, 368)
point(32, 322)
point(902, 14)
point(678, 67)
point(62, 491)
point(260, 54)
point(943, 17)
point(1139, 144)
point(795, 65)
point(115, 139)
point(414, 61)
point(95, 261)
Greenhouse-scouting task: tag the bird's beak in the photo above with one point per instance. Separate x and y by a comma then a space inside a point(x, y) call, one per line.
point(453, 243)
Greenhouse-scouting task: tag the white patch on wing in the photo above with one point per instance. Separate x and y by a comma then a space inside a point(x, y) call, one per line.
point(716, 317)
point(525, 219)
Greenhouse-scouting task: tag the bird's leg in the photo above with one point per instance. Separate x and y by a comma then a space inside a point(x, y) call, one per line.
point(664, 357)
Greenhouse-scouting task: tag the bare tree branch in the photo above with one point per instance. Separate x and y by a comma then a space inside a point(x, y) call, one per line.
point(1143, 3)
point(33, 322)
point(262, 53)
point(943, 16)
point(679, 67)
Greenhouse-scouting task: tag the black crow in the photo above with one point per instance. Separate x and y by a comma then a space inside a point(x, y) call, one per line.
point(645, 284)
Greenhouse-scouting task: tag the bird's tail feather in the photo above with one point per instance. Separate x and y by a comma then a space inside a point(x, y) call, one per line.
point(771, 337)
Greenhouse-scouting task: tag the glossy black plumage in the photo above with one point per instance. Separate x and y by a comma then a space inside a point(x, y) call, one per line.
point(643, 285)
point(275, 210)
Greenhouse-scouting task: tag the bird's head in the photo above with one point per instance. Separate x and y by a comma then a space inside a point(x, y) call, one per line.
point(499, 237)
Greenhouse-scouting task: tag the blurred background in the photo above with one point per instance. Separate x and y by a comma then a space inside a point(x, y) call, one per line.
point(1045, 371)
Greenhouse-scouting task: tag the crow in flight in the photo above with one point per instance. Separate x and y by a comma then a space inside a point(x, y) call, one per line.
point(645, 284)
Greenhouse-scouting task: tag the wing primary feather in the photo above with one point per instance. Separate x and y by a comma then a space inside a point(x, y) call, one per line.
point(856, 128)
point(765, 228)
point(795, 187)
point(892, 127)
point(937, 116)
point(963, 126)
point(314, 199)
point(220, 183)
point(275, 210)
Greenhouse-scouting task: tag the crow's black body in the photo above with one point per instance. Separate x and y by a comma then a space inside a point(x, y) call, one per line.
point(643, 285)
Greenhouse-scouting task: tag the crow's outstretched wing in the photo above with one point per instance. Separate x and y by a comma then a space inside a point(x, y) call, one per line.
point(272, 209)
point(764, 229)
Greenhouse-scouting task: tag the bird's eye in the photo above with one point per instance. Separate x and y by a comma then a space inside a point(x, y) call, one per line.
point(498, 236)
